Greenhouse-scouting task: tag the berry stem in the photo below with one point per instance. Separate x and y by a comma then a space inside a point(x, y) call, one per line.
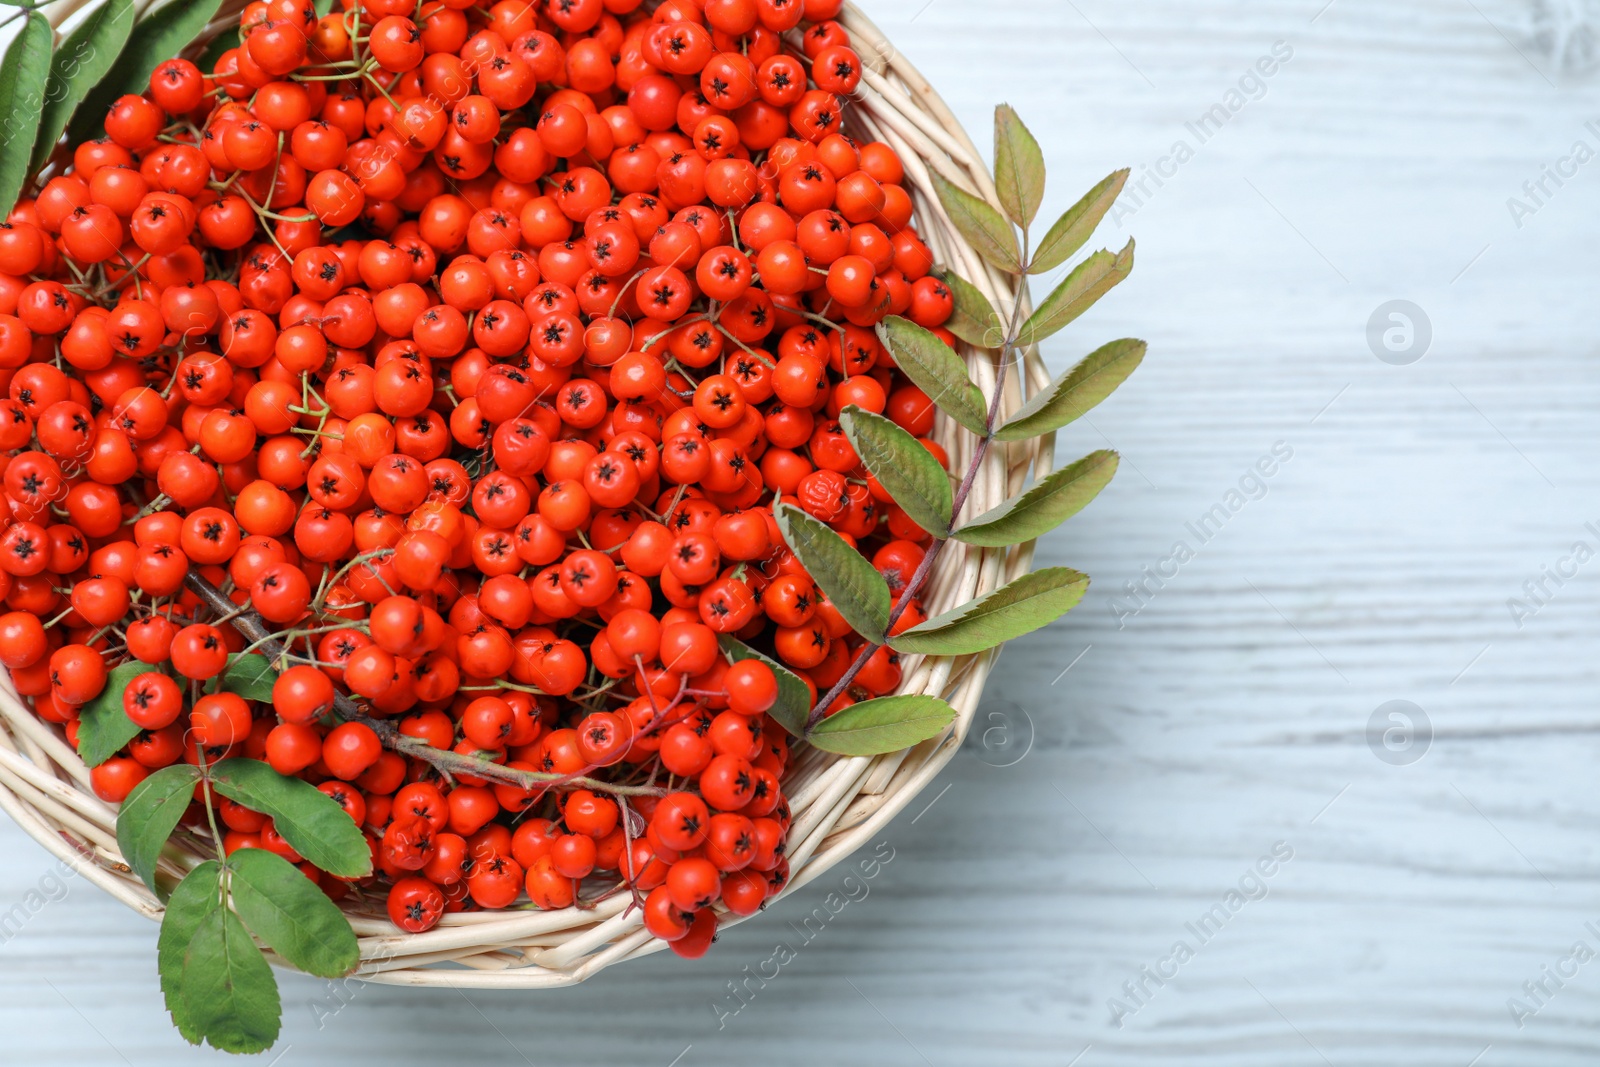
point(365, 557)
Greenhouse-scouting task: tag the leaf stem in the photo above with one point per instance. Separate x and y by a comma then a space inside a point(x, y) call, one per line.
point(211, 814)
point(924, 570)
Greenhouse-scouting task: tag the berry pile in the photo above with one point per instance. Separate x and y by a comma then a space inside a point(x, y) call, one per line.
point(466, 351)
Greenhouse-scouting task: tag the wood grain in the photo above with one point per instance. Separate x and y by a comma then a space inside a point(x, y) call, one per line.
point(1232, 712)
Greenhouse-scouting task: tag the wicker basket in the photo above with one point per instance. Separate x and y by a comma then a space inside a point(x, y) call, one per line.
point(838, 804)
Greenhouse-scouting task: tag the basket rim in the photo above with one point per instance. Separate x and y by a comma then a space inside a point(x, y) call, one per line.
point(843, 801)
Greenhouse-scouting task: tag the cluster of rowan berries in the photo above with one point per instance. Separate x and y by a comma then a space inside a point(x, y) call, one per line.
point(468, 349)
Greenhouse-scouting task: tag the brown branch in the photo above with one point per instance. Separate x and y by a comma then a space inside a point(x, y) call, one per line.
point(251, 626)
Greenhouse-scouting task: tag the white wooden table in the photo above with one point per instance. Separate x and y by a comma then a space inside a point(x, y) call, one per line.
point(1107, 811)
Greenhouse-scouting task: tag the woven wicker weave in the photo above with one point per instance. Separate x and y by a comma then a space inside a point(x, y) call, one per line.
point(838, 803)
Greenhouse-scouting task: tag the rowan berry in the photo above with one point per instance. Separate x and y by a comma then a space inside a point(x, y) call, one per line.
point(219, 718)
point(415, 904)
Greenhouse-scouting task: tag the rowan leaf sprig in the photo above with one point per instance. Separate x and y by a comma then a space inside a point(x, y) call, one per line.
point(919, 484)
point(218, 986)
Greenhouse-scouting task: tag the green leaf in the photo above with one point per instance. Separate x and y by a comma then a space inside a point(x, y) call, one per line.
point(936, 369)
point(849, 579)
point(974, 319)
point(1075, 392)
point(251, 675)
point(1052, 501)
point(1088, 282)
point(323, 7)
point(162, 33)
point(1034, 600)
point(23, 75)
point(794, 696)
point(228, 989)
point(149, 816)
point(196, 898)
point(228, 38)
point(103, 727)
point(1018, 167)
point(887, 724)
point(985, 229)
point(1074, 229)
point(78, 65)
point(917, 481)
point(295, 918)
point(308, 819)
